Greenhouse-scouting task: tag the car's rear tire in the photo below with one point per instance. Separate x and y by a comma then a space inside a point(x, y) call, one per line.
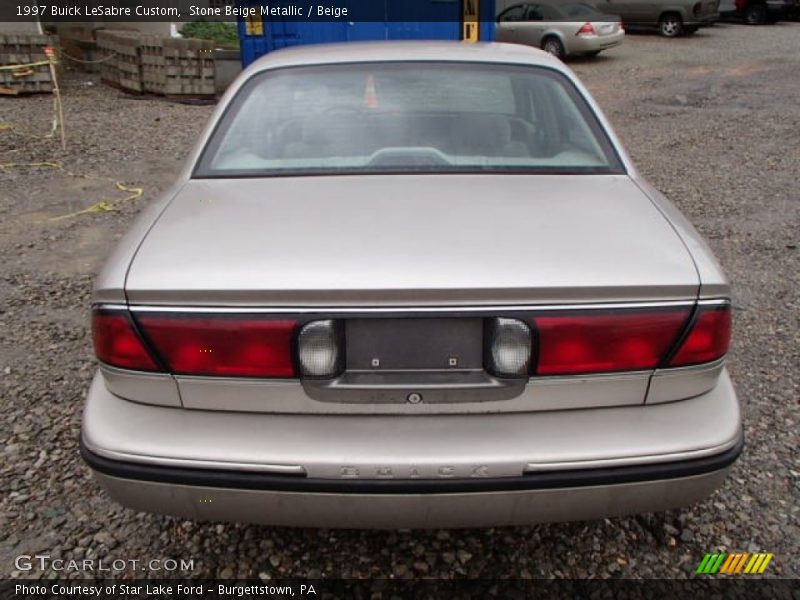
point(670, 25)
point(552, 45)
point(755, 14)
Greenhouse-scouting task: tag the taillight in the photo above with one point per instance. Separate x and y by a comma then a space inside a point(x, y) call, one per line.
point(606, 341)
point(586, 29)
point(708, 339)
point(221, 345)
point(117, 343)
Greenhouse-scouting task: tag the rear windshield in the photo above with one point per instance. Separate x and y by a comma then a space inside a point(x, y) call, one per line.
point(407, 117)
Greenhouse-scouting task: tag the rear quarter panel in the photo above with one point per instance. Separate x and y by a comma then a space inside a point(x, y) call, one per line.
point(109, 285)
point(713, 281)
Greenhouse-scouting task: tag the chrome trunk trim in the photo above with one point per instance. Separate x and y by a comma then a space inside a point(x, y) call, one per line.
point(355, 310)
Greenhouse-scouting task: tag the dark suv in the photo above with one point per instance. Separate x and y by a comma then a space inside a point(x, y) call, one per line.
point(671, 17)
point(758, 12)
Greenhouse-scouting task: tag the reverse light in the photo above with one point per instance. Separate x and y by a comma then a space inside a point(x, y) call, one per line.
point(116, 342)
point(319, 349)
point(708, 339)
point(509, 347)
point(586, 29)
point(226, 345)
point(606, 341)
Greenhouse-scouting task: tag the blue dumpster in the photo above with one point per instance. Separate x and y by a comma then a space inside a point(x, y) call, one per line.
point(262, 31)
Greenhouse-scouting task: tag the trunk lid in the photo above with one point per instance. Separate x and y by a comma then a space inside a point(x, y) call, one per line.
point(405, 240)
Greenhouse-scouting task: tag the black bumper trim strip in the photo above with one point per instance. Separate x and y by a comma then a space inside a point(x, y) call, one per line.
point(299, 483)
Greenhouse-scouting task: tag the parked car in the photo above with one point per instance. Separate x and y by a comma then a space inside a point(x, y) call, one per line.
point(562, 29)
point(410, 285)
point(757, 12)
point(671, 17)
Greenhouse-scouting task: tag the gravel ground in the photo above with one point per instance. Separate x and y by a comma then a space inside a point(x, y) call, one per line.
point(711, 120)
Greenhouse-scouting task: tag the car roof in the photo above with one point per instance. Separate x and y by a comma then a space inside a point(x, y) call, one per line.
point(392, 51)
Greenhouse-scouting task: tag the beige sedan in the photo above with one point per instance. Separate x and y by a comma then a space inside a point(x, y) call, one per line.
point(571, 29)
point(410, 284)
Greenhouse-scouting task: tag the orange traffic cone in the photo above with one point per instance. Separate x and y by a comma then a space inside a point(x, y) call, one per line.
point(371, 94)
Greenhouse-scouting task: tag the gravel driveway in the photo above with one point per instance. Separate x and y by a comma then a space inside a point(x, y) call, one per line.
point(712, 120)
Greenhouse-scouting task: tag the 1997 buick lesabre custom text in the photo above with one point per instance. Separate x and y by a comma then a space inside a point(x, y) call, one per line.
point(410, 285)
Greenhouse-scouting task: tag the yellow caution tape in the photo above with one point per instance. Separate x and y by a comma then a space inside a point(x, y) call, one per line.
point(135, 192)
point(103, 206)
point(17, 131)
point(52, 165)
point(25, 66)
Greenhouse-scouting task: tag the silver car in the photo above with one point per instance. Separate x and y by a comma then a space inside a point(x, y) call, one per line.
point(410, 285)
point(560, 28)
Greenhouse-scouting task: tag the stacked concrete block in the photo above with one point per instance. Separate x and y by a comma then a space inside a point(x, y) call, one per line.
point(107, 50)
point(153, 68)
point(189, 67)
point(18, 50)
point(164, 66)
point(129, 62)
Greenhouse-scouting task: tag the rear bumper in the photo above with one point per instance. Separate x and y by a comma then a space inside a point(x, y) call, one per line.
point(243, 480)
point(595, 43)
point(427, 471)
point(392, 511)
